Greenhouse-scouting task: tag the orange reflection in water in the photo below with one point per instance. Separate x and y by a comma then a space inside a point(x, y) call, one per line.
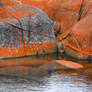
point(45, 75)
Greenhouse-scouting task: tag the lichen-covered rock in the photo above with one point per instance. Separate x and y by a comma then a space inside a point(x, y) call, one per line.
point(24, 33)
point(8, 3)
point(86, 8)
point(62, 11)
point(78, 41)
point(37, 3)
point(1, 4)
point(66, 12)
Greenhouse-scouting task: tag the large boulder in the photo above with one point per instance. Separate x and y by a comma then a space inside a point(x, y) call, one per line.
point(77, 41)
point(24, 31)
point(66, 12)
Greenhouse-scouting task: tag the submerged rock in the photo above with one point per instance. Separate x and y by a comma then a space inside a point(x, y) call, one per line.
point(24, 31)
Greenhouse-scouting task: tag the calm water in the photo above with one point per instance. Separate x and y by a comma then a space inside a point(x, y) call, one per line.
point(43, 75)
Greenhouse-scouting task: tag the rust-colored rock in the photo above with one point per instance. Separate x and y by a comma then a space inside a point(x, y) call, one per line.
point(62, 11)
point(37, 3)
point(78, 41)
point(66, 12)
point(8, 3)
point(86, 8)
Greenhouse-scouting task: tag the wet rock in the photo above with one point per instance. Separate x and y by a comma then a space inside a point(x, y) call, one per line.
point(25, 34)
point(78, 42)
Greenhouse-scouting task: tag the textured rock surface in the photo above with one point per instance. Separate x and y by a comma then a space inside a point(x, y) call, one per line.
point(86, 8)
point(63, 11)
point(9, 3)
point(66, 12)
point(79, 40)
point(18, 34)
point(37, 3)
point(1, 4)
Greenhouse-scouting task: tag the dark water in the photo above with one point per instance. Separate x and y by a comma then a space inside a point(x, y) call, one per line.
point(43, 75)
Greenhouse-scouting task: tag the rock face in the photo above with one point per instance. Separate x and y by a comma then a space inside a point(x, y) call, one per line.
point(37, 3)
point(1, 4)
point(72, 17)
point(86, 8)
point(24, 32)
point(62, 11)
point(66, 12)
point(9, 3)
point(78, 42)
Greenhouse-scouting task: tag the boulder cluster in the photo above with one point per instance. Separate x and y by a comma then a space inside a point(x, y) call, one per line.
point(70, 20)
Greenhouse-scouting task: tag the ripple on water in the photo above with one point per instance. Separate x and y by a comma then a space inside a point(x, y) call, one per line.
point(44, 78)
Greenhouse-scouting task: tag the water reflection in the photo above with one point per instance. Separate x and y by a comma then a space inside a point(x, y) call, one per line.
point(43, 75)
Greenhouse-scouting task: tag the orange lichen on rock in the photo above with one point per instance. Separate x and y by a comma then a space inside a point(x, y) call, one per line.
point(63, 11)
point(25, 50)
point(79, 38)
point(37, 3)
point(7, 14)
point(86, 8)
point(24, 31)
point(66, 12)
point(9, 3)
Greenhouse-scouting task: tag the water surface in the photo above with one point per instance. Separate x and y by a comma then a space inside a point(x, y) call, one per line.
point(43, 75)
